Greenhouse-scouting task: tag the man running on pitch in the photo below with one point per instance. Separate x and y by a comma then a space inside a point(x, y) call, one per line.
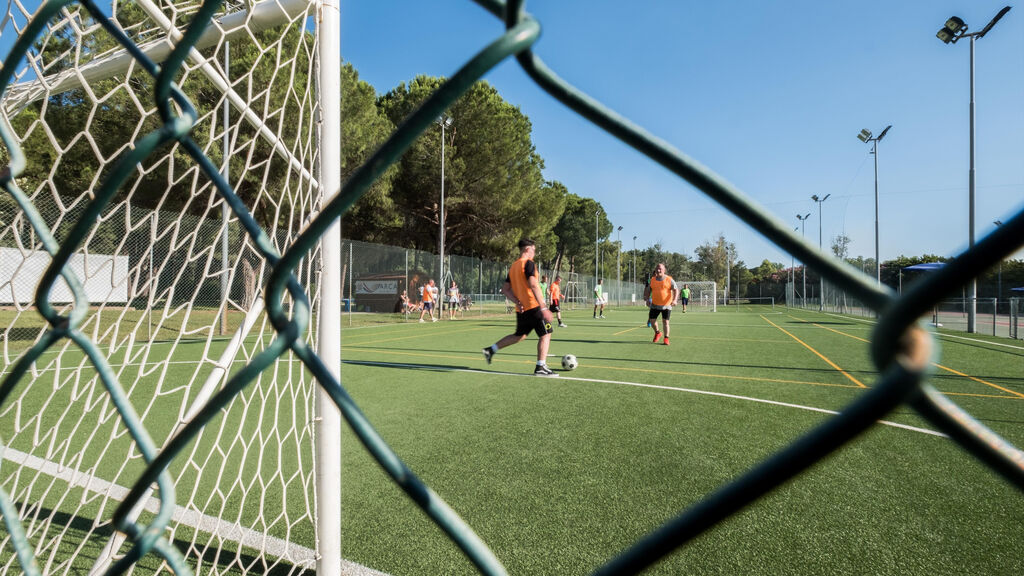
point(663, 292)
point(522, 288)
point(555, 294)
point(428, 301)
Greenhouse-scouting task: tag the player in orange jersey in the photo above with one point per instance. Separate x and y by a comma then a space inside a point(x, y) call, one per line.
point(522, 288)
point(663, 293)
point(428, 296)
point(555, 296)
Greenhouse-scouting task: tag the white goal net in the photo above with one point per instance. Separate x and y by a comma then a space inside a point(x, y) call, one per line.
point(174, 285)
point(702, 294)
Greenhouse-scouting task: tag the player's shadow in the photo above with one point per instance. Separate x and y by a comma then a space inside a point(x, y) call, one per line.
point(527, 352)
point(417, 365)
point(530, 352)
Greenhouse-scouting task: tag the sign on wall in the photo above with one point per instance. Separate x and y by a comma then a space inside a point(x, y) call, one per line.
point(384, 287)
point(105, 277)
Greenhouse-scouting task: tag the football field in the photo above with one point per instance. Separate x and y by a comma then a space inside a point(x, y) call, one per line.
point(560, 474)
point(557, 475)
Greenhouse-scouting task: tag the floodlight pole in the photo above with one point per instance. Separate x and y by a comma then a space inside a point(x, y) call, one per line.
point(972, 307)
point(874, 152)
point(999, 286)
point(443, 121)
point(728, 275)
point(865, 136)
point(597, 251)
point(634, 262)
point(792, 272)
point(803, 265)
point(618, 266)
point(821, 293)
point(954, 30)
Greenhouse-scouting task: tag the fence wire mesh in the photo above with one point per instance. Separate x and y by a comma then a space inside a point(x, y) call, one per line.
point(901, 348)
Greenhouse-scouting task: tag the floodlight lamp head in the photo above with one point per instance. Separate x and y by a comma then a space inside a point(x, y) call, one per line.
point(955, 24)
point(826, 197)
point(814, 197)
point(993, 22)
point(952, 30)
point(884, 132)
point(997, 222)
point(864, 135)
point(620, 228)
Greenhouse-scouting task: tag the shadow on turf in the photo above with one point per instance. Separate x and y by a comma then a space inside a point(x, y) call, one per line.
point(982, 346)
point(417, 365)
point(231, 560)
point(806, 322)
point(984, 420)
point(531, 353)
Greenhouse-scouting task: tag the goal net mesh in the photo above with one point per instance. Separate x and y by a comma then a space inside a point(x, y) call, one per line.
point(702, 294)
point(170, 277)
point(153, 298)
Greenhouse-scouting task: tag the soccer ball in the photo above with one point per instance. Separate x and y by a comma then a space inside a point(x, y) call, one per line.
point(569, 362)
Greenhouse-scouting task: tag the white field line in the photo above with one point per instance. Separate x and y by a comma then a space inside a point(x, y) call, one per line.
point(641, 385)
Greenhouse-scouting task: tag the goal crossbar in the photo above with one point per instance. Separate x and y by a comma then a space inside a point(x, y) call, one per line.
point(264, 15)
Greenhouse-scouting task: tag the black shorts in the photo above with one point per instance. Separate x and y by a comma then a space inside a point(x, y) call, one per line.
point(428, 305)
point(686, 301)
point(554, 306)
point(532, 320)
point(653, 314)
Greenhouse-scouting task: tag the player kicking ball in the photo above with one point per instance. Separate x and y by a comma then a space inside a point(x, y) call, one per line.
point(661, 292)
point(522, 288)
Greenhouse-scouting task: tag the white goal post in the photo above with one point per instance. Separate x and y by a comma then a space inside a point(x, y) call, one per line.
point(181, 307)
point(702, 294)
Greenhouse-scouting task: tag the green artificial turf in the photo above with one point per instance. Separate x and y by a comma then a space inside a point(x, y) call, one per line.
point(558, 475)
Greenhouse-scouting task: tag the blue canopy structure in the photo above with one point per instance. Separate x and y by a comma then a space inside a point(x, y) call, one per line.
point(1018, 289)
point(926, 266)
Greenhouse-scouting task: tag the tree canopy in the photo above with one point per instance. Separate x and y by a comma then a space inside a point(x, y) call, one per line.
point(494, 193)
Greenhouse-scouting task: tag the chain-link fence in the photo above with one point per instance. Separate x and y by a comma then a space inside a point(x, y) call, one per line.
point(143, 266)
point(901, 350)
point(380, 275)
point(993, 317)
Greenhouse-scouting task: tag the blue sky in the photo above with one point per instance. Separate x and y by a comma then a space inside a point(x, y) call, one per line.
point(771, 95)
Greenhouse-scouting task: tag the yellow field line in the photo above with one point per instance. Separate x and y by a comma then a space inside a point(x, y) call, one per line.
point(937, 365)
point(996, 386)
point(819, 354)
point(629, 330)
